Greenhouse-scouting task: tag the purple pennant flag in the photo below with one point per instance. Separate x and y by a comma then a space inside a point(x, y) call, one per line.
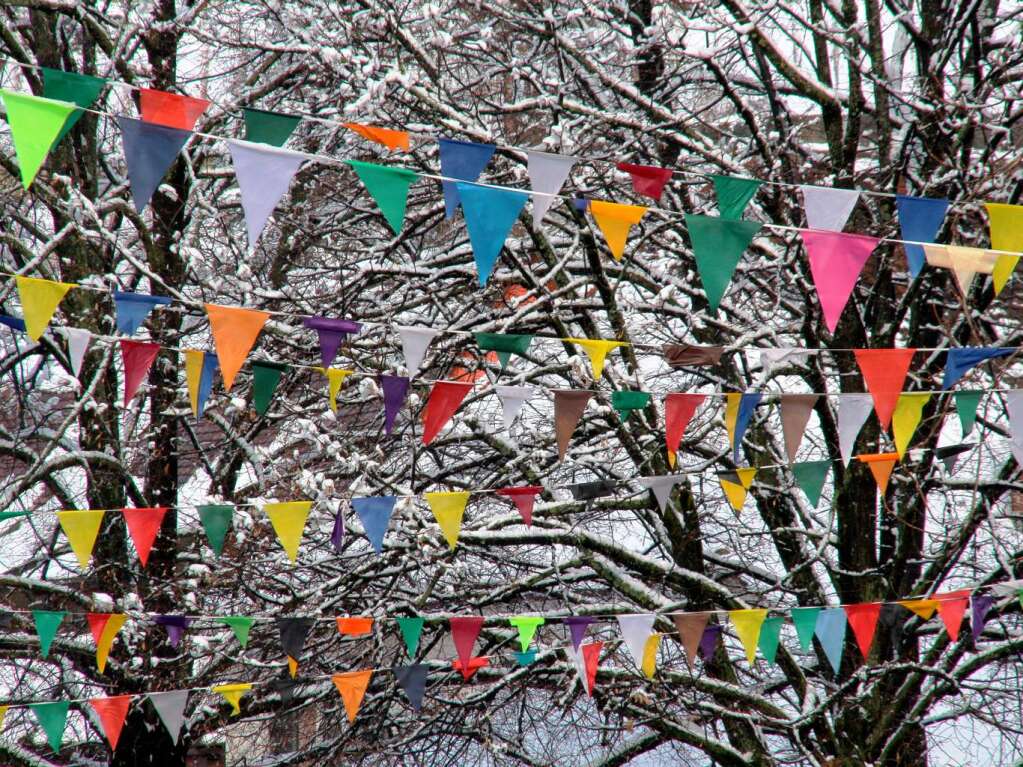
point(577, 625)
point(337, 535)
point(395, 390)
point(331, 333)
point(175, 625)
point(709, 640)
point(980, 604)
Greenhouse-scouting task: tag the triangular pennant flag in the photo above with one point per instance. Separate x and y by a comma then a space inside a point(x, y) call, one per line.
point(709, 641)
point(770, 635)
point(906, 417)
point(235, 331)
point(413, 345)
point(690, 631)
point(354, 625)
point(464, 632)
point(616, 221)
point(505, 344)
point(810, 476)
point(389, 189)
point(678, 412)
point(149, 151)
point(980, 605)
point(920, 219)
point(967, 403)
point(547, 174)
point(1014, 409)
point(137, 357)
point(210, 366)
point(525, 658)
point(47, 622)
point(233, 693)
point(52, 718)
point(411, 630)
point(375, 515)
point(830, 632)
point(771, 359)
point(523, 498)
point(805, 621)
point(880, 465)
point(922, 608)
point(718, 245)
point(176, 625)
point(81, 528)
point(951, 608)
point(962, 359)
point(738, 414)
point(597, 351)
point(468, 669)
point(413, 681)
point(112, 712)
point(795, 414)
point(964, 262)
point(589, 654)
point(853, 411)
point(264, 175)
point(863, 621)
point(395, 390)
point(661, 487)
point(170, 109)
point(36, 125)
point(194, 363)
point(240, 625)
point(735, 484)
point(512, 399)
point(577, 628)
point(104, 628)
point(39, 301)
point(624, 402)
point(265, 377)
point(589, 491)
point(463, 160)
point(733, 194)
point(445, 398)
point(448, 508)
point(1006, 223)
point(647, 180)
point(143, 526)
point(79, 89)
point(649, 664)
point(836, 261)
point(293, 633)
point(331, 333)
point(216, 521)
point(490, 214)
point(690, 355)
point(170, 706)
point(568, 410)
point(263, 127)
point(636, 630)
point(288, 520)
point(949, 455)
point(828, 208)
point(884, 373)
point(131, 309)
point(392, 139)
point(77, 345)
point(527, 626)
point(352, 687)
point(747, 627)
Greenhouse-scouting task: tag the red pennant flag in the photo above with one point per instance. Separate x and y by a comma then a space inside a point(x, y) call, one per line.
point(863, 621)
point(647, 180)
point(884, 372)
point(881, 465)
point(112, 713)
point(474, 665)
point(591, 660)
point(951, 607)
point(143, 526)
point(170, 109)
point(523, 498)
point(137, 357)
point(464, 632)
point(678, 412)
point(445, 397)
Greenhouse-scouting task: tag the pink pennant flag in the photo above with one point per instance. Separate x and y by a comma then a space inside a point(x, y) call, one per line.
point(836, 260)
point(138, 357)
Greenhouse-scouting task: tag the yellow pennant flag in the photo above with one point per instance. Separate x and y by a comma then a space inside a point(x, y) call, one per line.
point(1006, 223)
point(735, 491)
point(39, 300)
point(289, 520)
point(292, 667)
point(352, 688)
point(232, 693)
point(906, 417)
point(615, 220)
point(81, 528)
point(104, 628)
point(335, 377)
point(649, 666)
point(924, 608)
point(193, 375)
point(747, 626)
point(3, 714)
point(732, 401)
point(448, 508)
point(596, 350)
point(964, 262)
point(235, 331)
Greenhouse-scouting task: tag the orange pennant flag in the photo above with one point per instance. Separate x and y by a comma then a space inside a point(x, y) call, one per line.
point(881, 465)
point(352, 687)
point(235, 331)
point(924, 608)
point(355, 626)
point(951, 608)
point(615, 220)
point(111, 712)
point(392, 139)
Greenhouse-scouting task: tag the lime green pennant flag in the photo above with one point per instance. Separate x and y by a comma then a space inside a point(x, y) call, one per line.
point(770, 633)
point(35, 126)
point(272, 128)
point(505, 344)
point(967, 403)
point(411, 630)
point(810, 476)
point(240, 625)
point(72, 87)
point(388, 187)
point(527, 626)
point(265, 377)
point(734, 194)
point(53, 718)
point(216, 520)
point(718, 244)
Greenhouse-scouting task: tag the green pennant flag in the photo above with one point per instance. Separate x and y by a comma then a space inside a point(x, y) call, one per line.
point(734, 194)
point(967, 403)
point(240, 625)
point(47, 622)
point(810, 476)
point(718, 244)
point(216, 521)
point(5, 515)
point(411, 630)
point(527, 626)
point(505, 344)
point(389, 187)
point(271, 128)
point(265, 377)
point(35, 124)
point(805, 621)
point(770, 633)
point(625, 401)
point(52, 717)
point(73, 87)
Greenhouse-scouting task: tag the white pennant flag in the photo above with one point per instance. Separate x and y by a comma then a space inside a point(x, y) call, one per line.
point(828, 208)
point(1014, 407)
point(635, 631)
point(661, 487)
point(512, 399)
point(264, 175)
point(770, 358)
point(413, 345)
point(171, 708)
point(77, 345)
point(853, 411)
point(547, 174)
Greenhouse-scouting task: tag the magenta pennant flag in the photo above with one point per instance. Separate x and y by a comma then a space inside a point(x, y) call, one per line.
point(836, 260)
point(577, 626)
point(332, 334)
point(395, 389)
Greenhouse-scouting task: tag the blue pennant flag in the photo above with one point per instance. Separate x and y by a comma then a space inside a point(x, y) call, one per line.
point(747, 405)
point(489, 215)
point(14, 323)
point(464, 160)
point(149, 151)
point(210, 365)
point(961, 360)
point(375, 515)
point(133, 308)
point(830, 632)
point(920, 219)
